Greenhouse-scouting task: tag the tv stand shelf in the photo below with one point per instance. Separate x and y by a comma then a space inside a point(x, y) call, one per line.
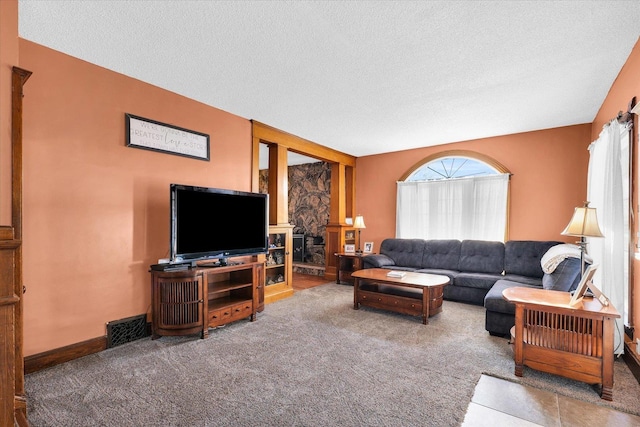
point(179, 305)
point(226, 287)
point(223, 302)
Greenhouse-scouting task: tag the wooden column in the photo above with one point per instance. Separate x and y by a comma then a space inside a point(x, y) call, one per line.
point(338, 209)
point(278, 185)
point(342, 207)
point(350, 192)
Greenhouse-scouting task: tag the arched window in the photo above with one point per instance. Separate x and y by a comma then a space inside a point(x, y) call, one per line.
point(454, 195)
point(451, 167)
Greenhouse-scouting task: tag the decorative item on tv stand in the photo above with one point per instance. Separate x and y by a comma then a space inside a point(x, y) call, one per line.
point(359, 225)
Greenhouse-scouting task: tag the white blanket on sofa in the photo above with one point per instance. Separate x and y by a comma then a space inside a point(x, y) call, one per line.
point(556, 254)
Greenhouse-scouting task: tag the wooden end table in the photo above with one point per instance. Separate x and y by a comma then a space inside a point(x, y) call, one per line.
point(431, 285)
point(346, 264)
point(575, 342)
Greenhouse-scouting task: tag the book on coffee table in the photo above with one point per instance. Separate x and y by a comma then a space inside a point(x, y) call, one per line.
point(394, 273)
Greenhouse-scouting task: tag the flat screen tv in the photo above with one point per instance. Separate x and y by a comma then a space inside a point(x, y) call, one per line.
point(208, 223)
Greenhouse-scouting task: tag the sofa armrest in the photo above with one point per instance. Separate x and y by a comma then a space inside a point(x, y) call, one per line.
point(377, 261)
point(565, 277)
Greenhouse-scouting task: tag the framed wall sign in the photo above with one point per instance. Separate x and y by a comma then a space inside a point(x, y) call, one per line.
point(155, 136)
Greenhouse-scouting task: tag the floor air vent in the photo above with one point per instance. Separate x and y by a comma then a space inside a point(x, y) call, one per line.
point(126, 330)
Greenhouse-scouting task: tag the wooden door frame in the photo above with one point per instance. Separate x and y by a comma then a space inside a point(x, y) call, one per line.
point(343, 171)
point(11, 304)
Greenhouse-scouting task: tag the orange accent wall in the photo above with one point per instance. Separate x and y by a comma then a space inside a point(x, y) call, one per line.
point(625, 87)
point(8, 59)
point(549, 170)
point(96, 213)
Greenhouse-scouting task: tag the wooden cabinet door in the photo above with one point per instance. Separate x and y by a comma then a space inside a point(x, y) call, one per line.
point(178, 303)
point(279, 264)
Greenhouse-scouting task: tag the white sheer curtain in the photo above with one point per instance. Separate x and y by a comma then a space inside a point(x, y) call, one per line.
point(463, 208)
point(607, 191)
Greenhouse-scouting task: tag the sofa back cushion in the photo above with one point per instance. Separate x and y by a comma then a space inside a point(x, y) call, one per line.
point(522, 257)
point(482, 256)
point(565, 277)
point(404, 252)
point(441, 254)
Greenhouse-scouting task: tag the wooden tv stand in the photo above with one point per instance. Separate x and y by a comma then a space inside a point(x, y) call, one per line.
point(193, 300)
point(572, 341)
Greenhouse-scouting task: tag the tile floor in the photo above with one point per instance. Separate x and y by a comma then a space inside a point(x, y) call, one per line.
point(498, 402)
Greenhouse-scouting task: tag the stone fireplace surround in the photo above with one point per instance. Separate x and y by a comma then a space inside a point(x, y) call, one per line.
point(309, 203)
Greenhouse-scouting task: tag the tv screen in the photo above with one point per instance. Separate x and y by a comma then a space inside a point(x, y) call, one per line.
point(216, 223)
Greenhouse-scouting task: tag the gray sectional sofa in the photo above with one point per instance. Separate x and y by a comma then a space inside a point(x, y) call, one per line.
point(479, 270)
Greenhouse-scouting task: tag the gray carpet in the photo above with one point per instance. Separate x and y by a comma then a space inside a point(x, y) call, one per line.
point(309, 360)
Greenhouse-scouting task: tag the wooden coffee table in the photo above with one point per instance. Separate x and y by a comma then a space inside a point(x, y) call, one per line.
point(384, 292)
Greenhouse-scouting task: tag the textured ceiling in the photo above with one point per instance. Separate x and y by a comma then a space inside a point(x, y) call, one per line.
point(361, 77)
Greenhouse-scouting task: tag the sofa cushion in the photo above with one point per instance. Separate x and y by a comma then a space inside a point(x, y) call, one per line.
point(522, 257)
point(404, 252)
point(401, 268)
point(441, 254)
point(377, 261)
point(565, 277)
point(481, 256)
point(463, 294)
point(494, 300)
point(532, 281)
point(476, 280)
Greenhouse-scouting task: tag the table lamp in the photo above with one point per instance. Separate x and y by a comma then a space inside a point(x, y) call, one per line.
point(358, 223)
point(584, 223)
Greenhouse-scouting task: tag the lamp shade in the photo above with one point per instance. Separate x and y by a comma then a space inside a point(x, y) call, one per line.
point(584, 223)
point(359, 222)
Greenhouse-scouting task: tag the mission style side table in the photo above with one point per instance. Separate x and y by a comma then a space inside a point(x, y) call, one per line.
point(553, 336)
